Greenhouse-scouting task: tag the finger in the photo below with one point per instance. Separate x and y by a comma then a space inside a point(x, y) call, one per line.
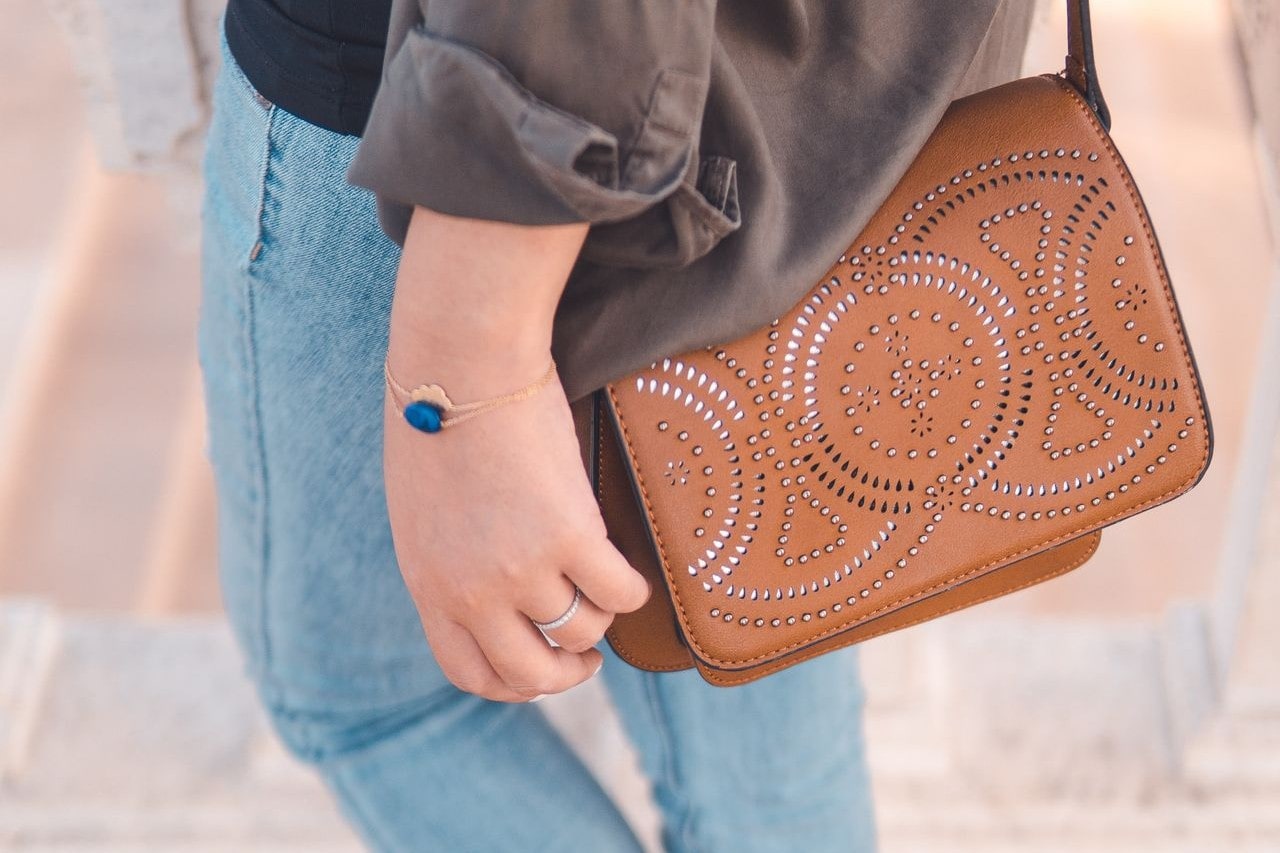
point(583, 630)
point(606, 577)
point(460, 658)
point(522, 658)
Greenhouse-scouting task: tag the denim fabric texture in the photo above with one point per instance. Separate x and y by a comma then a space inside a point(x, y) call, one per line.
point(296, 296)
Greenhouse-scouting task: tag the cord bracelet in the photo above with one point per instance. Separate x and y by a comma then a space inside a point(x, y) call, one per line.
point(428, 408)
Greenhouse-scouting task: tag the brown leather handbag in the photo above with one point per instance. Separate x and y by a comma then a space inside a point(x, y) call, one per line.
point(993, 371)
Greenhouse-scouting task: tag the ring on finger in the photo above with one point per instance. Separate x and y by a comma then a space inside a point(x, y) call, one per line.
point(564, 617)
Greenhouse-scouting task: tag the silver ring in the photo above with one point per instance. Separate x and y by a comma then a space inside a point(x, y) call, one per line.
point(566, 616)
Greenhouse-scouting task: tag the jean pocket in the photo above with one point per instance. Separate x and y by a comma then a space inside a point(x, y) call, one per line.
point(236, 158)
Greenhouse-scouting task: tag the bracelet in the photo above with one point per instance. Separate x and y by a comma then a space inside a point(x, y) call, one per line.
point(429, 409)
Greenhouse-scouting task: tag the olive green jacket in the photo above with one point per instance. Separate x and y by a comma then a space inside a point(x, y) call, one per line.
point(725, 154)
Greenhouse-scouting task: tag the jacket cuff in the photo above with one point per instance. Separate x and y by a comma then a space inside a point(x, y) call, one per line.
point(453, 130)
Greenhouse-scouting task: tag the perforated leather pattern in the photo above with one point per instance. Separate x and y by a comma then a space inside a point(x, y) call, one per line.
point(994, 366)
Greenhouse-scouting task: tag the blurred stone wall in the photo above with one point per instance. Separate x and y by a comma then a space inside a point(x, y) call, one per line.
point(1258, 28)
point(145, 69)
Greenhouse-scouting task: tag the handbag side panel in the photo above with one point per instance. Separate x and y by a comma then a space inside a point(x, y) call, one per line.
point(649, 637)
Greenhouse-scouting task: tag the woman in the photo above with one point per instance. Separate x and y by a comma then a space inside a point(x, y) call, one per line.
point(605, 182)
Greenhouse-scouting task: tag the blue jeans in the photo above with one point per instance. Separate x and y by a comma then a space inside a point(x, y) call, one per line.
point(297, 285)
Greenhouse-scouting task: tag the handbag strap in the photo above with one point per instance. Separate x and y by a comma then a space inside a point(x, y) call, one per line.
point(1081, 72)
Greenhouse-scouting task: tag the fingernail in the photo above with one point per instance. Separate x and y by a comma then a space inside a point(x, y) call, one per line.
point(539, 697)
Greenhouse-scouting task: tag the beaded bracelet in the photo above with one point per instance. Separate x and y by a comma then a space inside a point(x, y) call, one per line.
point(429, 409)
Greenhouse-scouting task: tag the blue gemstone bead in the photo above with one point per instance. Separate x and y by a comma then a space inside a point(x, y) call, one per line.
point(422, 415)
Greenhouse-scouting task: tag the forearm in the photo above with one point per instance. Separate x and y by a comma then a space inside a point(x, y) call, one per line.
point(475, 299)
point(495, 523)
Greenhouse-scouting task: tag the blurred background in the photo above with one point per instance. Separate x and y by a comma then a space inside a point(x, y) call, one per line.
point(1132, 705)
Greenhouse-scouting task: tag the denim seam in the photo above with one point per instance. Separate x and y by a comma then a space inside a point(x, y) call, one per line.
point(255, 251)
point(260, 469)
point(683, 828)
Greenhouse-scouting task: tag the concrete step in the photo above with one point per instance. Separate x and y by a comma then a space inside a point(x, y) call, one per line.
point(128, 733)
point(98, 290)
point(99, 395)
point(123, 733)
point(42, 151)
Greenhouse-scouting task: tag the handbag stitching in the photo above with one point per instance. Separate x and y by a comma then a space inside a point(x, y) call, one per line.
point(766, 669)
point(1148, 234)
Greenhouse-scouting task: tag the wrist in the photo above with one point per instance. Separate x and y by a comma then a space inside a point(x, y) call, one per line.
point(475, 301)
point(466, 369)
point(459, 344)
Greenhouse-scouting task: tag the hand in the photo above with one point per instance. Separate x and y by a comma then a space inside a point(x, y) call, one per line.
point(494, 520)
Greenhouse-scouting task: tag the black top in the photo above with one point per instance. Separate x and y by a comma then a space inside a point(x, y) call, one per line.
point(319, 59)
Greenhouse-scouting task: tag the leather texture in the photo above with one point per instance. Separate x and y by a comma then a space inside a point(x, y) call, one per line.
point(992, 372)
point(650, 637)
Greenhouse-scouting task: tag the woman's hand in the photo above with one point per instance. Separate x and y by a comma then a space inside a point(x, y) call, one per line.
point(494, 520)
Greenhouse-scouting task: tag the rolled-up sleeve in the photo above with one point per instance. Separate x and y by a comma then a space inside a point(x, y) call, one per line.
point(536, 111)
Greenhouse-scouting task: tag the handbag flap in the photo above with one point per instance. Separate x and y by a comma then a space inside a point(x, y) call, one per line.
point(996, 365)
